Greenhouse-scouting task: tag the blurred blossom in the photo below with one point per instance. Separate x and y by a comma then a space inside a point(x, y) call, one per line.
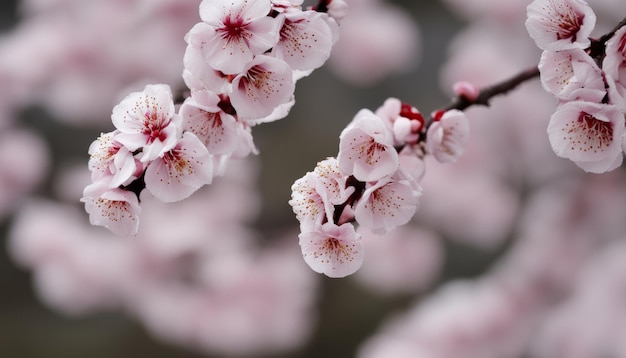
point(194, 274)
point(77, 44)
point(462, 319)
point(590, 323)
point(405, 260)
point(24, 162)
point(365, 54)
point(482, 210)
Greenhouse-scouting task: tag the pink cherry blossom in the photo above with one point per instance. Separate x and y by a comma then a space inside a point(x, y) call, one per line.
point(147, 120)
point(202, 115)
point(111, 161)
point(234, 31)
point(557, 25)
point(331, 183)
point(386, 205)
point(335, 251)
point(264, 84)
point(614, 64)
point(198, 75)
point(306, 39)
point(181, 171)
point(116, 209)
point(448, 137)
point(590, 134)
point(572, 75)
point(405, 121)
point(308, 204)
point(366, 148)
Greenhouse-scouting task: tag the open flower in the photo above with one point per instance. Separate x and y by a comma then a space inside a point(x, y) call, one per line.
point(387, 205)
point(589, 134)
point(614, 64)
point(336, 251)
point(572, 75)
point(116, 209)
point(448, 136)
point(111, 162)
point(307, 203)
point(233, 32)
point(203, 116)
point(180, 171)
point(366, 148)
point(264, 84)
point(306, 39)
point(147, 121)
point(557, 25)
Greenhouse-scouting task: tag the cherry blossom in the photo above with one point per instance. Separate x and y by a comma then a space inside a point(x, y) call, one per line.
point(198, 75)
point(366, 148)
point(590, 134)
point(116, 209)
point(202, 115)
point(614, 64)
point(147, 120)
point(308, 204)
point(234, 31)
point(560, 24)
point(306, 39)
point(336, 251)
point(264, 84)
point(405, 121)
point(180, 171)
point(111, 161)
point(572, 75)
point(448, 136)
point(386, 205)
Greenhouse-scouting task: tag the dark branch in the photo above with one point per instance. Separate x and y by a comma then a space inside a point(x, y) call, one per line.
point(486, 94)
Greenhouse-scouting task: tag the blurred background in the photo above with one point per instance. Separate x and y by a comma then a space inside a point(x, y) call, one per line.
point(509, 212)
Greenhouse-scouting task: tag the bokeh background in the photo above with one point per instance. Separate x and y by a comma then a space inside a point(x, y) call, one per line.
point(476, 219)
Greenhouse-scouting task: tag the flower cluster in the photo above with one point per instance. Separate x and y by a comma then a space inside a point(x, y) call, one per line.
point(373, 181)
point(240, 65)
point(587, 76)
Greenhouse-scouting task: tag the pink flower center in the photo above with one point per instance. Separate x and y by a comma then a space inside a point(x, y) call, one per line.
point(590, 134)
point(234, 30)
point(153, 127)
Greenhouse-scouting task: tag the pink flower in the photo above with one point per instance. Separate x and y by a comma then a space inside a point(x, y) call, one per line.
point(180, 171)
point(386, 205)
point(116, 209)
point(203, 116)
point(404, 120)
point(335, 251)
point(614, 64)
point(306, 39)
point(589, 134)
point(308, 204)
point(337, 9)
point(366, 148)
point(557, 25)
point(571, 75)
point(449, 136)
point(264, 84)
point(234, 31)
point(198, 75)
point(147, 120)
point(112, 162)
